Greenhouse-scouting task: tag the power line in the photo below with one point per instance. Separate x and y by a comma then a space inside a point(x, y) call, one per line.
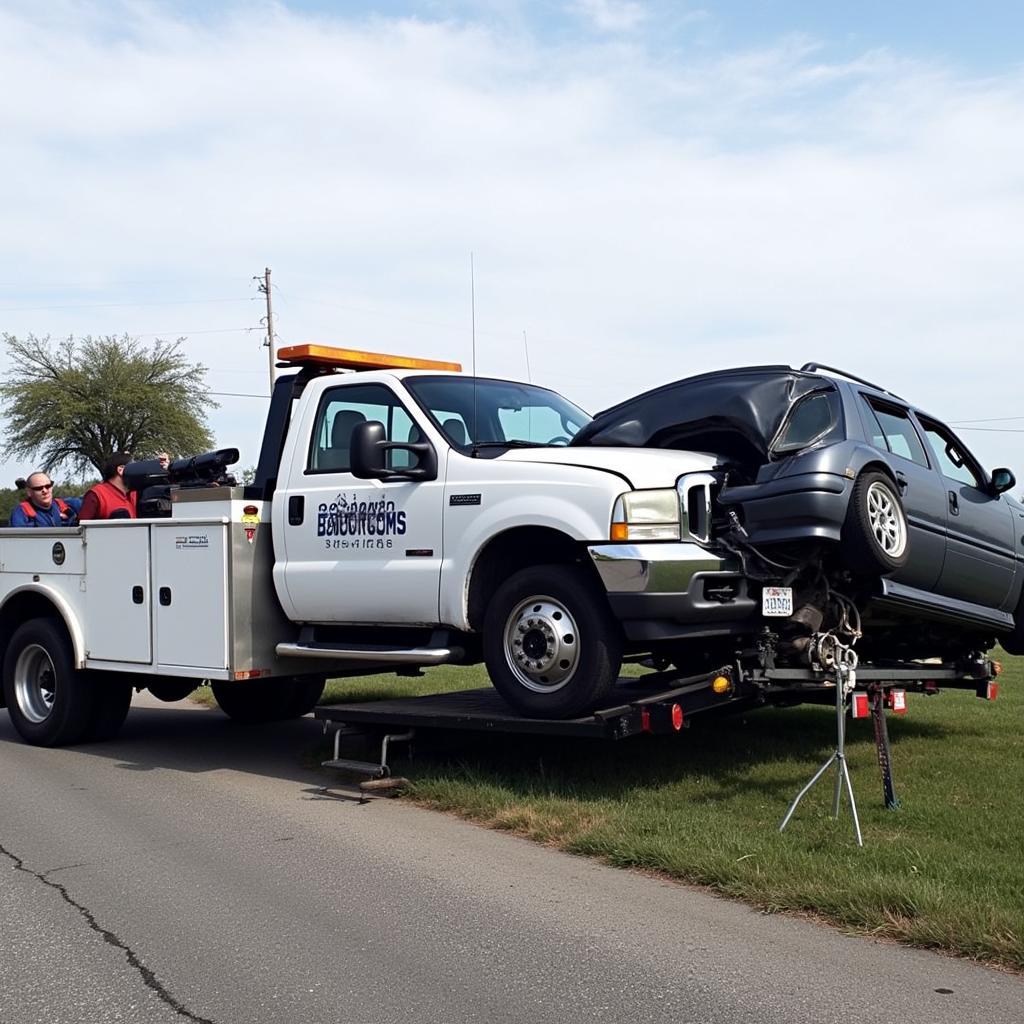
point(237, 394)
point(996, 430)
point(993, 419)
point(120, 305)
point(189, 334)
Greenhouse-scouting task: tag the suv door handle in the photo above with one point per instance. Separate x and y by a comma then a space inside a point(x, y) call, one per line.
point(296, 509)
point(954, 504)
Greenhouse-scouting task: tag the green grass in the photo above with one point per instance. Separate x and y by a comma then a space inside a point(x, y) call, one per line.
point(946, 870)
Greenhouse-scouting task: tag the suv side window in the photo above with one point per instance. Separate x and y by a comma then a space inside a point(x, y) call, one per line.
point(955, 461)
point(341, 410)
point(895, 432)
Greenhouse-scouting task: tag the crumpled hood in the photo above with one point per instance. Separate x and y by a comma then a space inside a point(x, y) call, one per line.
point(736, 413)
point(642, 467)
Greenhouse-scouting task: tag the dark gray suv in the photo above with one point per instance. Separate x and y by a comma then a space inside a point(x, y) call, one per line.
point(836, 506)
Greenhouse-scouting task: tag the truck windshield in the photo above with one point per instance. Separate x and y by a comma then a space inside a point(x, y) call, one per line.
point(496, 412)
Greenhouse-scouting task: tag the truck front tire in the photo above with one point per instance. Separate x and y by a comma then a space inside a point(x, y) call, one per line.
point(551, 644)
point(50, 702)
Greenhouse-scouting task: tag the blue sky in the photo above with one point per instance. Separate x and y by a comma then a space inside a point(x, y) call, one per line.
point(649, 189)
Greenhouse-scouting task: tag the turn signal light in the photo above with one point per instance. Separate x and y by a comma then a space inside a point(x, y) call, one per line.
point(721, 684)
point(997, 668)
point(620, 531)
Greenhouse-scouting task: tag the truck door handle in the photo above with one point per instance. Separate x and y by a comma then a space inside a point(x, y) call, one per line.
point(138, 595)
point(901, 481)
point(954, 504)
point(165, 596)
point(296, 509)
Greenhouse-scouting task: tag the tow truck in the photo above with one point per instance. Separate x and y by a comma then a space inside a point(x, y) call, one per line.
point(405, 515)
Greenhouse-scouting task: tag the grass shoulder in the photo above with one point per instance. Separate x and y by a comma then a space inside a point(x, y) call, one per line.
point(943, 871)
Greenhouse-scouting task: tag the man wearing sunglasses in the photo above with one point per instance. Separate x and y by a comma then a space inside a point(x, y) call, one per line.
point(41, 508)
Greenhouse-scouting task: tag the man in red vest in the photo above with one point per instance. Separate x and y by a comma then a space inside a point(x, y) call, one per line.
point(41, 508)
point(110, 499)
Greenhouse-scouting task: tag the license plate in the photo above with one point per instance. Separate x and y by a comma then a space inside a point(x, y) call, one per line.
point(777, 601)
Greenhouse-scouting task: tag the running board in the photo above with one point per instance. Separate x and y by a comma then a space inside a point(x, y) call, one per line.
point(374, 653)
point(933, 606)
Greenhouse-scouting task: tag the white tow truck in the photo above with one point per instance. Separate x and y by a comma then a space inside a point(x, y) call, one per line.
point(402, 515)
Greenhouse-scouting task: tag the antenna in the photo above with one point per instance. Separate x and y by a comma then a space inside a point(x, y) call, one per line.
point(472, 314)
point(526, 349)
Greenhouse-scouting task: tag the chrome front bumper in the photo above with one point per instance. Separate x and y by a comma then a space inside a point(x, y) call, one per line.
point(663, 589)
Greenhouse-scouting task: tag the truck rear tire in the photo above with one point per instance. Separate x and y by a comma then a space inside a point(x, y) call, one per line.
point(551, 645)
point(269, 700)
point(51, 703)
point(113, 699)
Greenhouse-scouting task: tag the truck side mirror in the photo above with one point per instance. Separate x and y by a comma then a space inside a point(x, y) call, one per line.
point(368, 454)
point(1002, 480)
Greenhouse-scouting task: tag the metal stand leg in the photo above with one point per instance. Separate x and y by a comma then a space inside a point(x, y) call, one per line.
point(845, 682)
point(884, 751)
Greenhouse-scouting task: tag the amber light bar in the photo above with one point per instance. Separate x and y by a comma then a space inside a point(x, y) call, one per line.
point(353, 359)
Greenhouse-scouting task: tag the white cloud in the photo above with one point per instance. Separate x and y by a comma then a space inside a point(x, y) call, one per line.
point(610, 15)
point(641, 218)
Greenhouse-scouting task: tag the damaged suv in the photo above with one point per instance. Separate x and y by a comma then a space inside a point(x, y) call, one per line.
point(830, 504)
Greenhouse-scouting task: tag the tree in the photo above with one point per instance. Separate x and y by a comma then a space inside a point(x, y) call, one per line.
point(76, 401)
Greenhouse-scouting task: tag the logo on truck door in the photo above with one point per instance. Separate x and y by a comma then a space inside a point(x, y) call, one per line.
point(359, 524)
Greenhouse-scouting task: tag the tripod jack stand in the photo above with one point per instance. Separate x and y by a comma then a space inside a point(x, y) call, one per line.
point(846, 681)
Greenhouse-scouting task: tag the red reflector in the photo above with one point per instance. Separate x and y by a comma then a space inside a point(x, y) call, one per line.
point(645, 720)
point(677, 717)
point(250, 510)
point(897, 701)
point(859, 706)
point(989, 690)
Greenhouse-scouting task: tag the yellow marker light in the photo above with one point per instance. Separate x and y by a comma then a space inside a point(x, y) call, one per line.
point(721, 684)
point(354, 359)
point(620, 531)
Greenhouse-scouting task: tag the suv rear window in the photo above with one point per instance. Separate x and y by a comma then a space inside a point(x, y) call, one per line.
point(811, 420)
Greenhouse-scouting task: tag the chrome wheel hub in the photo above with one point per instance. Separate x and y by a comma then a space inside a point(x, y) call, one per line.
point(541, 644)
point(34, 683)
point(886, 520)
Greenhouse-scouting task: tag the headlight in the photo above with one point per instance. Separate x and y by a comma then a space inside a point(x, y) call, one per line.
point(646, 515)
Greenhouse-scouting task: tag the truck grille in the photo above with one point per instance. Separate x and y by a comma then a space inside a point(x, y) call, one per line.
point(697, 491)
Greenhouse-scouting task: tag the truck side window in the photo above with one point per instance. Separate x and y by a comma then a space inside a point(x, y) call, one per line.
point(898, 434)
point(341, 410)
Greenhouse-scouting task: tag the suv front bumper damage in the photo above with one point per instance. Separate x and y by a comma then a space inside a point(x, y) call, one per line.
point(663, 591)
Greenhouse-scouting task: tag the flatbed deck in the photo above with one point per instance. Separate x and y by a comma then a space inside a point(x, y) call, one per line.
point(645, 703)
point(483, 710)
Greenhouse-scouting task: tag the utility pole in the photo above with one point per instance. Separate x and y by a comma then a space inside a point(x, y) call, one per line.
point(263, 283)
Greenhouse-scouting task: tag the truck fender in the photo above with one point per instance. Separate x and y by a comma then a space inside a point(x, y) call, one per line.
point(64, 610)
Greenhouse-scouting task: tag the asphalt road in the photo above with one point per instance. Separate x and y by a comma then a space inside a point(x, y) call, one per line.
point(193, 870)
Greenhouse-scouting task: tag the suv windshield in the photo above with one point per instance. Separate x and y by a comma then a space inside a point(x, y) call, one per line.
point(476, 411)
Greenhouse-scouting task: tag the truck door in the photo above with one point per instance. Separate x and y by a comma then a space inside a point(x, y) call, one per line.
point(359, 550)
point(980, 551)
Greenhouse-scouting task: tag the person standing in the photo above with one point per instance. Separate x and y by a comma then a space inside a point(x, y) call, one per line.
point(110, 499)
point(41, 508)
